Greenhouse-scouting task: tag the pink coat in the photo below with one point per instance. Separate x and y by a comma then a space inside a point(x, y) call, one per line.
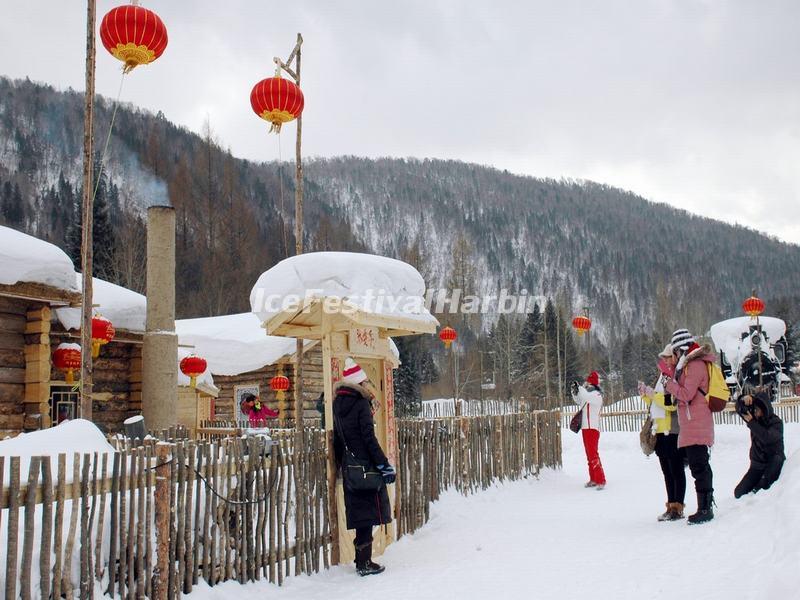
point(695, 418)
point(258, 417)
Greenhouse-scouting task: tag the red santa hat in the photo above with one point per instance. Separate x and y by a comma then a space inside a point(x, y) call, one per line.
point(593, 379)
point(353, 373)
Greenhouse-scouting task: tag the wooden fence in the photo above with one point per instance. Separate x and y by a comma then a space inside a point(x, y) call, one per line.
point(628, 415)
point(469, 454)
point(229, 510)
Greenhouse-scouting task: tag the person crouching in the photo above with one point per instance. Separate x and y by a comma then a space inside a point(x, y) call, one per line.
point(766, 443)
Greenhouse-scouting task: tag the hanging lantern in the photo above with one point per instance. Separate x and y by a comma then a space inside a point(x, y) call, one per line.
point(67, 358)
point(102, 333)
point(582, 324)
point(277, 100)
point(753, 306)
point(193, 366)
point(279, 384)
point(448, 335)
point(134, 35)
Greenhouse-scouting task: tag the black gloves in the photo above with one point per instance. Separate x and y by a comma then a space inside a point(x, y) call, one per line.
point(388, 472)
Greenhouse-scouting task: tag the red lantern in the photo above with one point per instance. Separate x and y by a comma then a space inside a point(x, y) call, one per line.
point(277, 100)
point(582, 324)
point(448, 335)
point(279, 384)
point(67, 358)
point(193, 366)
point(134, 35)
point(753, 306)
point(102, 333)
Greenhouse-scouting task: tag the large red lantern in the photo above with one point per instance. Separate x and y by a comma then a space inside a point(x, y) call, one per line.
point(448, 335)
point(67, 358)
point(134, 35)
point(753, 306)
point(193, 366)
point(279, 383)
point(277, 100)
point(102, 333)
point(582, 324)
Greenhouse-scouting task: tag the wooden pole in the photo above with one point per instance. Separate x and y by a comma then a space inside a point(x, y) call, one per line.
point(86, 231)
point(162, 510)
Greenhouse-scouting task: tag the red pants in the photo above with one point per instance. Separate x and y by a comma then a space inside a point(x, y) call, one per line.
point(591, 437)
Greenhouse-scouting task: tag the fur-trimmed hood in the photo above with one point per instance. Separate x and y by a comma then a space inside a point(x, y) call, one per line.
point(704, 353)
point(347, 395)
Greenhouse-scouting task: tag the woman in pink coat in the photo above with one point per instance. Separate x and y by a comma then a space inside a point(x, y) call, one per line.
point(688, 385)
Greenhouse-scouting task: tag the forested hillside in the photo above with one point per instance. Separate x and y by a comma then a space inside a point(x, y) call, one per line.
point(639, 266)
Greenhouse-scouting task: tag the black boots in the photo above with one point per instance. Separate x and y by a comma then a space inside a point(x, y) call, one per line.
point(364, 564)
point(704, 512)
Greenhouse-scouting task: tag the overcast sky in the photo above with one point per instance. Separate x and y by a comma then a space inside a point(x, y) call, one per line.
point(693, 103)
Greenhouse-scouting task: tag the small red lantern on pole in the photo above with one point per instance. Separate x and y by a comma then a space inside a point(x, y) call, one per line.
point(277, 100)
point(134, 35)
point(193, 366)
point(448, 335)
point(279, 384)
point(102, 333)
point(582, 324)
point(67, 358)
point(753, 306)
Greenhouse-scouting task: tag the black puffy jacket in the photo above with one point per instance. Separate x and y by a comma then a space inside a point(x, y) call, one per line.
point(352, 420)
point(766, 432)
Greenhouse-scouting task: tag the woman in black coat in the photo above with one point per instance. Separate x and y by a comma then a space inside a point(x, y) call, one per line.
point(355, 427)
point(766, 443)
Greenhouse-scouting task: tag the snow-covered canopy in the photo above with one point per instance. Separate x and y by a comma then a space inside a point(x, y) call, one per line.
point(77, 435)
point(232, 344)
point(24, 258)
point(125, 308)
point(372, 284)
point(732, 336)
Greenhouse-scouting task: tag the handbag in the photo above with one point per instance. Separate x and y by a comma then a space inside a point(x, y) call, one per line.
point(647, 439)
point(576, 422)
point(358, 474)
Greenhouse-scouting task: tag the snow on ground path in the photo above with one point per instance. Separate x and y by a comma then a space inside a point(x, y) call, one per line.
point(552, 538)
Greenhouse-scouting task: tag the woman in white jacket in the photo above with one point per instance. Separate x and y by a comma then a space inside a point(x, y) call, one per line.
point(589, 397)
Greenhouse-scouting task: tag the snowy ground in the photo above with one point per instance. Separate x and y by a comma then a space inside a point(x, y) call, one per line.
point(552, 538)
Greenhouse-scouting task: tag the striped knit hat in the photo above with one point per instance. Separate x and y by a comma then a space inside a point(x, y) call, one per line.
point(353, 373)
point(682, 339)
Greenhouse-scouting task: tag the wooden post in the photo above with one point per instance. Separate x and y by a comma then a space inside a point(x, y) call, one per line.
point(162, 510)
point(86, 231)
point(37, 369)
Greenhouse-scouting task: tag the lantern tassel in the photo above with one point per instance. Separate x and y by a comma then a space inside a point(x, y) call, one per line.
point(69, 377)
point(193, 381)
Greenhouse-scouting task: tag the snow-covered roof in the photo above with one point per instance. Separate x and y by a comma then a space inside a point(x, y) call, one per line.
point(233, 344)
point(728, 336)
point(26, 259)
point(125, 308)
point(375, 285)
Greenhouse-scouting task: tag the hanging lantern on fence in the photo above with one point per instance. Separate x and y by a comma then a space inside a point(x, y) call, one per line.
point(102, 333)
point(67, 358)
point(753, 306)
point(193, 366)
point(134, 35)
point(279, 384)
point(277, 100)
point(448, 335)
point(582, 324)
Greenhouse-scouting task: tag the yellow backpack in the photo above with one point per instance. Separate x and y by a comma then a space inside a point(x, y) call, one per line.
point(718, 392)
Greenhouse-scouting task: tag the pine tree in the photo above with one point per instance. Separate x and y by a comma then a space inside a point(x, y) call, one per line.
point(13, 207)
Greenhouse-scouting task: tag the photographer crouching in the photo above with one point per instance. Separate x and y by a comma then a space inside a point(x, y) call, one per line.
point(766, 443)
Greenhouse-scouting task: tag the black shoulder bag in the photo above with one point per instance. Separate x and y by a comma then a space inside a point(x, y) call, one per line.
point(576, 422)
point(358, 474)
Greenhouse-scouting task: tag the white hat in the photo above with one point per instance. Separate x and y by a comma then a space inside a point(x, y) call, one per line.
point(667, 351)
point(353, 373)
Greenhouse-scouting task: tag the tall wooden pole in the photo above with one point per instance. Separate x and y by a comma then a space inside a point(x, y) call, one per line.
point(86, 232)
point(298, 241)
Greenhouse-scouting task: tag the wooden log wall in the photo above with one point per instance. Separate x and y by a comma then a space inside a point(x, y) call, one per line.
point(312, 386)
point(231, 515)
point(13, 322)
point(469, 454)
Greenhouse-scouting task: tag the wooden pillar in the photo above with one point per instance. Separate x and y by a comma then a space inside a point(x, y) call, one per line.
point(37, 369)
point(135, 380)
